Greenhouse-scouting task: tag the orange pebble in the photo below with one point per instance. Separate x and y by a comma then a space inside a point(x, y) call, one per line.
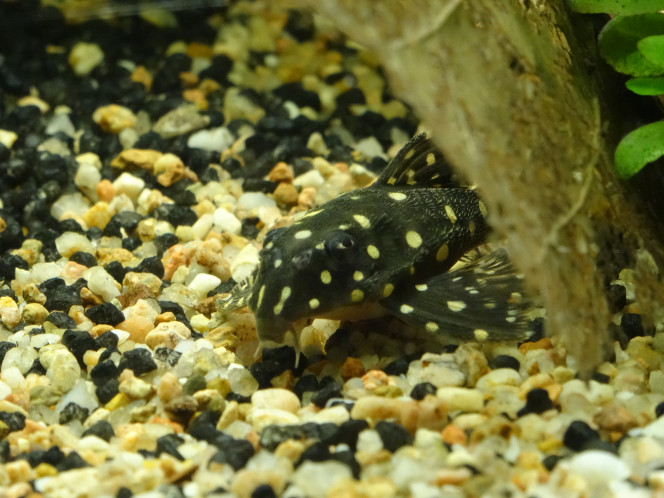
point(453, 434)
point(105, 190)
point(352, 367)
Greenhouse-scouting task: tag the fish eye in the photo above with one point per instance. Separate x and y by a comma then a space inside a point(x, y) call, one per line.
point(341, 247)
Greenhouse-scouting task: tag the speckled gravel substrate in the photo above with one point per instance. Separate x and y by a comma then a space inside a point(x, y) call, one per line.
point(141, 163)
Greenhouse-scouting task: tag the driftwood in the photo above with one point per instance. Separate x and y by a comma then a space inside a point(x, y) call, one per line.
point(509, 91)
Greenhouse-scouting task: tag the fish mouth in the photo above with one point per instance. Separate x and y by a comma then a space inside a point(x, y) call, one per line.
point(272, 330)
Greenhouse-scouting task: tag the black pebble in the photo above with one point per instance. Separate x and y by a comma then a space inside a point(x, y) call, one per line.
point(83, 258)
point(124, 219)
point(116, 270)
point(249, 229)
point(233, 396)
point(505, 361)
point(101, 429)
point(176, 215)
point(72, 461)
point(209, 175)
point(131, 243)
point(537, 401)
point(600, 377)
point(5, 454)
point(231, 165)
point(347, 457)
point(236, 453)
point(152, 265)
point(273, 435)
point(62, 298)
point(167, 355)
point(219, 68)
point(139, 360)
point(163, 242)
point(329, 391)
point(422, 389)
point(632, 325)
point(393, 436)
point(579, 435)
point(6, 292)
point(550, 461)
point(263, 491)
point(259, 185)
point(4, 347)
point(106, 391)
point(12, 235)
point(78, 343)
point(106, 340)
point(169, 443)
point(61, 320)
point(304, 384)
point(124, 492)
point(176, 309)
point(348, 432)
point(616, 296)
point(37, 367)
point(14, 420)
point(9, 263)
point(70, 225)
point(103, 372)
point(317, 452)
point(73, 412)
point(351, 97)
point(106, 313)
point(296, 93)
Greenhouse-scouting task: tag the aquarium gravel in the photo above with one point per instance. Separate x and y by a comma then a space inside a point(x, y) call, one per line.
point(142, 161)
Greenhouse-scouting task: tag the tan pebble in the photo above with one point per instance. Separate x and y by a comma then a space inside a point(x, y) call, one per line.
point(197, 97)
point(168, 316)
point(290, 449)
point(34, 313)
point(285, 380)
point(454, 477)
point(139, 158)
point(230, 414)
point(219, 384)
point(91, 358)
point(132, 295)
point(429, 413)
point(181, 409)
point(35, 101)
point(89, 298)
point(137, 326)
point(167, 334)
point(374, 379)
point(554, 391)
point(169, 169)
point(19, 471)
point(453, 434)
point(246, 481)
point(281, 173)
point(133, 279)
point(105, 255)
point(375, 487)
point(544, 343)
point(175, 257)
point(279, 399)
point(105, 190)
point(307, 198)
point(615, 418)
point(169, 388)
point(133, 387)
point(177, 428)
point(210, 399)
point(208, 305)
point(9, 312)
point(143, 76)
point(73, 270)
point(32, 294)
point(379, 408)
point(286, 194)
point(114, 118)
point(539, 380)
point(145, 230)
point(98, 215)
point(204, 207)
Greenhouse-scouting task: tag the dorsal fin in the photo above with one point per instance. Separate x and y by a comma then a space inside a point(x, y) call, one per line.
point(418, 164)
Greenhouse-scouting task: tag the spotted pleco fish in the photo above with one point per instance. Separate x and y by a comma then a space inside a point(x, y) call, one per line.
point(389, 248)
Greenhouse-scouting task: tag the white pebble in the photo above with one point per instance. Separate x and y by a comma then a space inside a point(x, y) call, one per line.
point(86, 179)
point(241, 380)
point(244, 263)
point(214, 140)
point(316, 478)
point(461, 398)
point(84, 57)
point(254, 200)
point(60, 123)
point(83, 394)
point(226, 222)
point(369, 441)
point(276, 398)
point(203, 283)
point(499, 377)
point(43, 271)
point(21, 358)
point(13, 377)
point(598, 467)
point(7, 138)
point(5, 390)
point(311, 178)
point(70, 203)
point(370, 147)
point(101, 283)
point(70, 242)
point(202, 226)
point(128, 184)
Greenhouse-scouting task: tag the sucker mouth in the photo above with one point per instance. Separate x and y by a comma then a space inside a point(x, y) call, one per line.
point(272, 329)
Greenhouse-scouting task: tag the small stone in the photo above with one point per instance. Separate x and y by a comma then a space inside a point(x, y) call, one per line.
point(226, 222)
point(139, 360)
point(129, 185)
point(149, 280)
point(180, 121)
point(9, 312)
point(316, 478)
point(393, 436)
point(169, 169)
point(71, 242)
point(101, 283)
point(280, 399)
point(34, 313)
point(106, 313)
point(203, 283)
point(310, 179)
point(84, 57)
point(213, 140)
point(102, 429)
point(461, 399)
point(169, 388)
point(167, 334)
point(63, 370)
point(537, 401)
point(579, 436)
point(286, 194)
point(498, 377)
point(134, 387)
point(114, 118)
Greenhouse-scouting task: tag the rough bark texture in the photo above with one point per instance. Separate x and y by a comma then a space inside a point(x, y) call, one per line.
point(505, 89)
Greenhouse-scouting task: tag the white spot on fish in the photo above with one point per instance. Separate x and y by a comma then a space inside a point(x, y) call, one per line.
point(442, 253)
point(373, 251)
point(421, 287)
point(405, 309)
point(431, 158)
point(358, 275)
point(431, 327)
point(450, 213)
point(362, 220)
point(277, 263)
point(261, 292)
point(397, 196)
point(387, 290)
point(483, 208)
point(481, 335)
point(303, 234)
point(413, 239)
point(314, 303)
point(356, 295)
point(456, 305)
point(325, 277)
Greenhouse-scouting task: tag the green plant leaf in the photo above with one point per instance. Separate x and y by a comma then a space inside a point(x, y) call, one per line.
point(638, 148)
point(646, 86)
point(617, 7)
point(618, 43)
point(652, 48)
